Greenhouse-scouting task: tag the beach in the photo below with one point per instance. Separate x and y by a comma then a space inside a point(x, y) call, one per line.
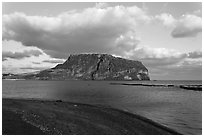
point(55, 117)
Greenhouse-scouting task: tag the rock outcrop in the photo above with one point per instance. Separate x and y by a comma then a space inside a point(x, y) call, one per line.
point(101, 67)
point(94, 67)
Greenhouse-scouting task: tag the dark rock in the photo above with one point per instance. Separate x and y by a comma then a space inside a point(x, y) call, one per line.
point(102, 67)
point(191, 87)
point(8, 75)
point(93, 67)
point(58, 101)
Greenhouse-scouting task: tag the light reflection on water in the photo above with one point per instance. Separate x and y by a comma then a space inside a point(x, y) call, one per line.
point(176, 108)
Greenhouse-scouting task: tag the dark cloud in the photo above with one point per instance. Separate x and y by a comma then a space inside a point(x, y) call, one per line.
point(187, 26)
point(36, 62)
point(195, 54)
point(33, 68)
point(20, 55)
point(54, 61)
point(4, 59)
point(181, 32)
point(56, 54)
point(198, 13)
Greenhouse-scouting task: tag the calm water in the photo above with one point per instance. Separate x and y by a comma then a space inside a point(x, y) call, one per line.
point(173, 107)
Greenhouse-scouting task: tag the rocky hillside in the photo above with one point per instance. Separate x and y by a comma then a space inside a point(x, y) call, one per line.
point(94, 67)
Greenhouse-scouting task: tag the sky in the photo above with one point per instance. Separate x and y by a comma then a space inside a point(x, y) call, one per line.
point(165, 37)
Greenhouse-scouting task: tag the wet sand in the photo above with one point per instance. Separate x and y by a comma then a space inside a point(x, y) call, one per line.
point(26, 117)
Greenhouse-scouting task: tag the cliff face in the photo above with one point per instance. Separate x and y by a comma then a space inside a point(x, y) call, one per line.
point(98, 67)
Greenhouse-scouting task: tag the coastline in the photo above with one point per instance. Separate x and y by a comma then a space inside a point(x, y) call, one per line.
point(187, 87)
point(58, 117)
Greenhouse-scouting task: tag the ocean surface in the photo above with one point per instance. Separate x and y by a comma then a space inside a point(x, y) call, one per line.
point(176, 108)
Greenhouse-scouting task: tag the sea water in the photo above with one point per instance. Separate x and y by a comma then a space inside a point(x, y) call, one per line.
point(176, 108)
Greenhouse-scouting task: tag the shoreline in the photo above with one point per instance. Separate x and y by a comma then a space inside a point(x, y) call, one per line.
point(186, 87)
point(68, 118)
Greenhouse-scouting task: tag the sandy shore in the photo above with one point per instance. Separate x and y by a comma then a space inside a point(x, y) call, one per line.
point(36, 117)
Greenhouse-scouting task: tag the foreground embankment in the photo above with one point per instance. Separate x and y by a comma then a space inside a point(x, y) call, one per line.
point(22, 116)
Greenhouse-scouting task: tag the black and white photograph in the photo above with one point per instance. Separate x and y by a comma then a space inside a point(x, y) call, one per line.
point(102, 68)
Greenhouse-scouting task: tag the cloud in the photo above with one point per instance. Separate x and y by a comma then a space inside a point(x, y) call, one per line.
point(90, 30)
point(180, 66)
point(16, 56)
point(34, 68)
point(154, 57)
point(4, 59)
point(101, 5)
point(15, 50)
point(167, 19)
point(187, 26)
point(54, 61)
point(56, 54)
point(195, 54)
point(162, 58)
point(36, 62)
point(20, 55)
point(198, 13)
point(126, 43)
